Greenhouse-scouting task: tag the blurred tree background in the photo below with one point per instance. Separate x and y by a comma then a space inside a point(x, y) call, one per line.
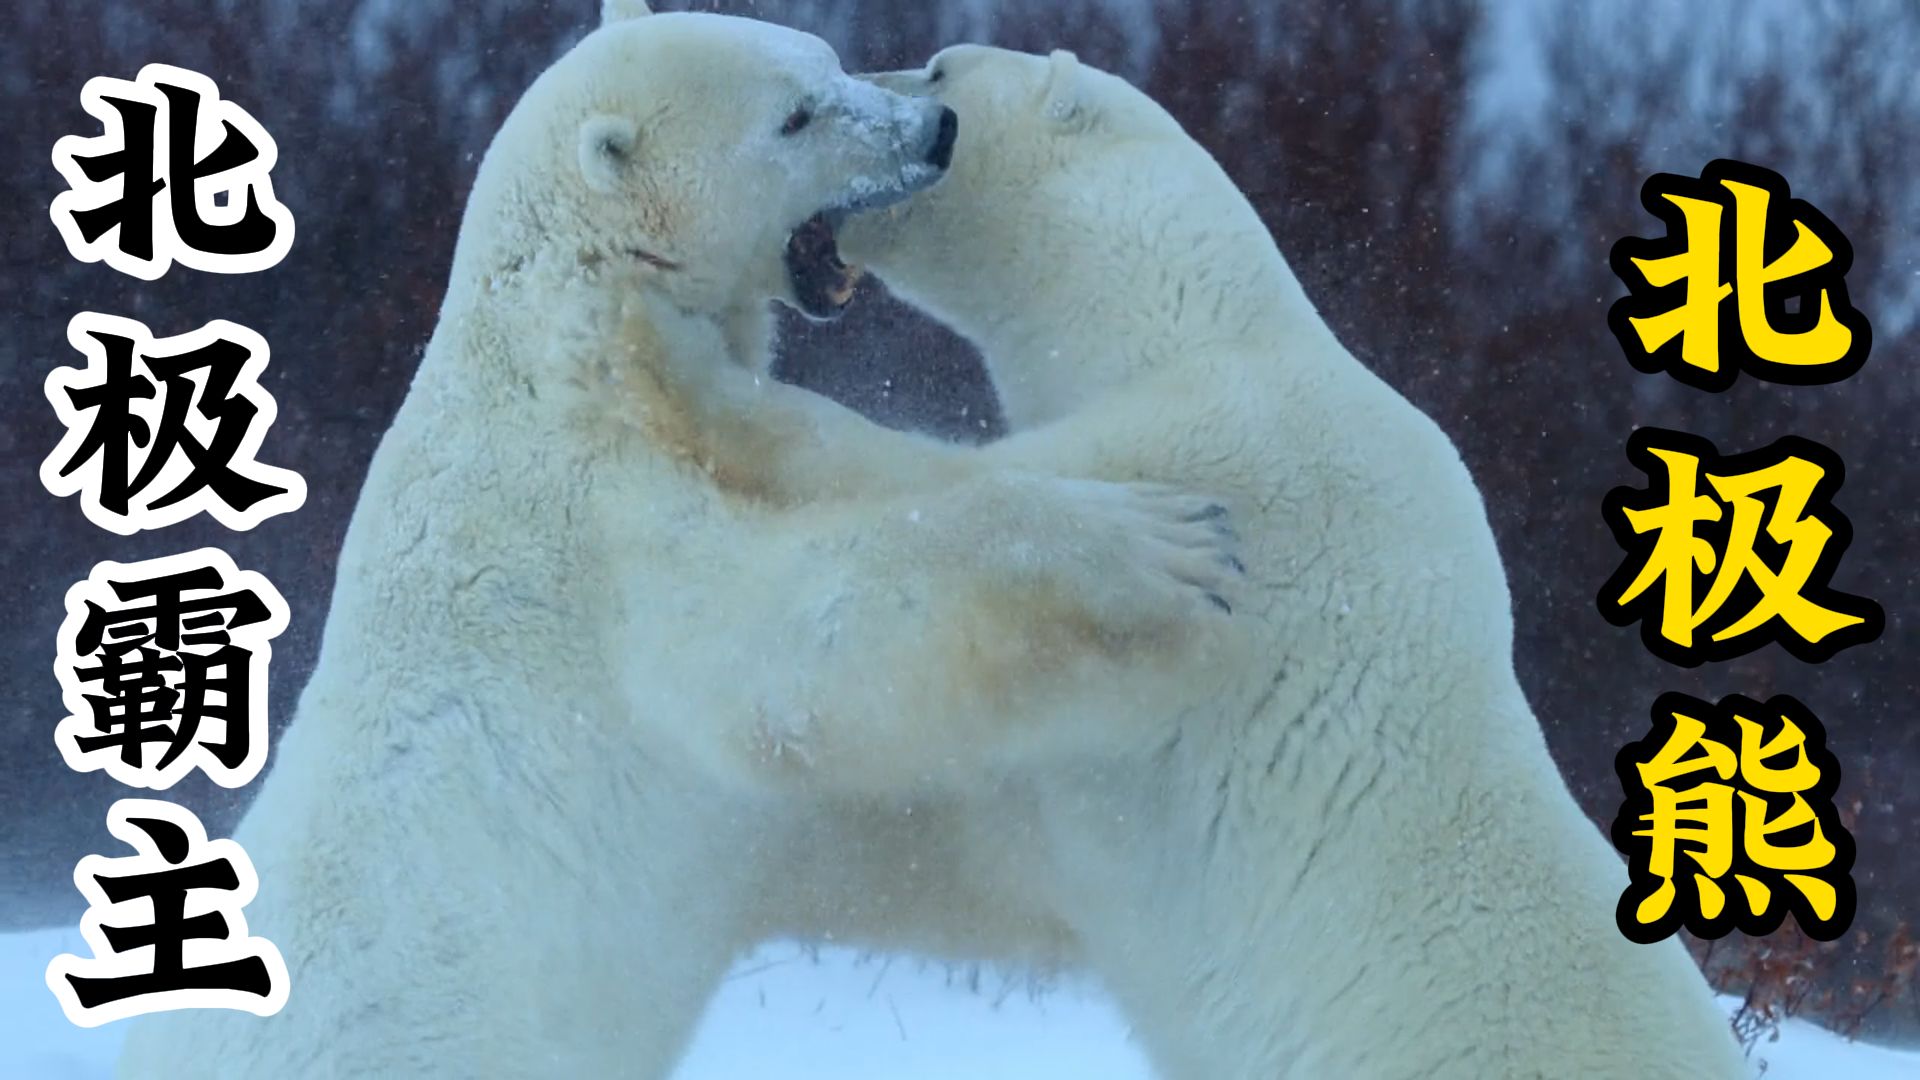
point(1446, 178)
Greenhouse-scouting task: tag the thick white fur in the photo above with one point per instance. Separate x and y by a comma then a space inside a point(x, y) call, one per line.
point(600, 565)
point(1354, 858)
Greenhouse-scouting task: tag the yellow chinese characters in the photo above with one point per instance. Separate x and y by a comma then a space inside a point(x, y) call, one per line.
point(1729, 823)
point(1719, 229)
point(1727, 554)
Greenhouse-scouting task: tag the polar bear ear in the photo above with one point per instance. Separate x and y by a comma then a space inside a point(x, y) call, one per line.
point(613, 11)
point(1066, 99)
point(607, 147)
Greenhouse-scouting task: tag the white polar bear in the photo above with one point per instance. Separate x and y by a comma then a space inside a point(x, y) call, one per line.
point(499, 839)
point(1353, 859)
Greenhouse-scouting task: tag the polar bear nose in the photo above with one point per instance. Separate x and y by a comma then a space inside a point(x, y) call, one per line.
point(940, 155)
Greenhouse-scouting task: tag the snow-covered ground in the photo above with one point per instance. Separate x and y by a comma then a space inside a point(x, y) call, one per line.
point(783, 1016)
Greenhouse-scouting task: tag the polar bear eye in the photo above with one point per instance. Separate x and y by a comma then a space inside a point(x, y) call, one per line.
point(797, 119)
point(936, 74)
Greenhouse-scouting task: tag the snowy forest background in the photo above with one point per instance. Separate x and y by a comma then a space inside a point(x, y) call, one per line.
point(1445, 177)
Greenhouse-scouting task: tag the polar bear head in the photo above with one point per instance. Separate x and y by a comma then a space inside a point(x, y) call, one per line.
point(715, 155)
point(1058, 163)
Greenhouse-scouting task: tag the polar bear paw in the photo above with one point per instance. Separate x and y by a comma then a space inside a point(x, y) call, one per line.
point(1179, 544)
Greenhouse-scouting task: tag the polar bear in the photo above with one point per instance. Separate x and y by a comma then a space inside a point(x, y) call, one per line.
point(1354, 858)
point(504, 835)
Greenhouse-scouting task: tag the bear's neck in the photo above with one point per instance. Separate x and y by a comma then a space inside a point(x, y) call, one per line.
point(516, 303)
point(516, 275)
point(1192, 304)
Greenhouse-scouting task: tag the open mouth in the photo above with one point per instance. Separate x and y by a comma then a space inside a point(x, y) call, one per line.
point(823, 285)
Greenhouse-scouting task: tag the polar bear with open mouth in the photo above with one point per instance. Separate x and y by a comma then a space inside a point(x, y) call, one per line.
point(601, 568)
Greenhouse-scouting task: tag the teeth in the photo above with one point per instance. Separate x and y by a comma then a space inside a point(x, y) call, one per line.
point(842, 294)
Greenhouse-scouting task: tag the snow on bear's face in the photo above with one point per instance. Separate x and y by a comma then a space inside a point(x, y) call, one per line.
point(719, 152)
point(1054, 160)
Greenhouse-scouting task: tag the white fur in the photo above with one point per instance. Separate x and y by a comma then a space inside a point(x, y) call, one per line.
point(600, 566)
point(1354, 858)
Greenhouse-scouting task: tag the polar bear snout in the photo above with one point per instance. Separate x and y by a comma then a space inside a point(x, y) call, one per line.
point(946, 133)
point(923, 151)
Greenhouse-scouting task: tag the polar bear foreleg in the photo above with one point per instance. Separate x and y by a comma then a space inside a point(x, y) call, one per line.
point(867, 646)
